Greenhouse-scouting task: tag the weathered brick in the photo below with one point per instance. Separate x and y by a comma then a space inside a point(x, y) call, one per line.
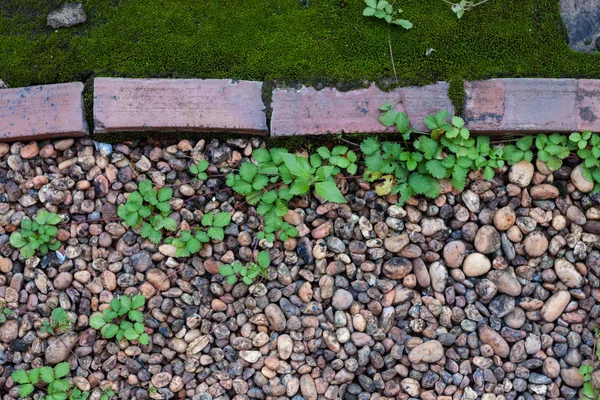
point(536, 105)
point(310, 112)
point(40, 112)
point(212, 105)
point(588, 105)
point(542, 105)
point(484, 105)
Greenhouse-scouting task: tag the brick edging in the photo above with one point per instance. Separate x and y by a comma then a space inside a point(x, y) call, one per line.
point(494, 107)
point(42, 112)
point(196, 105)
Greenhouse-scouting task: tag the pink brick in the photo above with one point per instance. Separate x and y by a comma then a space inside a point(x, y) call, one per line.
point(484, 105)
point(588, 105)
point(40, 112)
point(211, 105)
point(541, 105)
point(310, 112)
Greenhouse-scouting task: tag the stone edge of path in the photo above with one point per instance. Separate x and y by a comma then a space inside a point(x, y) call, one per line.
point(196, 105)
point(494, 107)
point(42, 112)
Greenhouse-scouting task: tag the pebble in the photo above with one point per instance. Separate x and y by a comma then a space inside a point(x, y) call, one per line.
point(555, 306)
point(487, 240)
point(429, 352)
point(580, 183)
point(504, 218)
point(521, 173)
point(567, 273)
point(476, 264)
point(535, 244)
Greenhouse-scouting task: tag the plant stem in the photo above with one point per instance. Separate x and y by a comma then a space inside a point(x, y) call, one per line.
point(392, 56)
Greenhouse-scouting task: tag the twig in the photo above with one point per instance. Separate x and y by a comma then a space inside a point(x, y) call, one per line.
point(392, 54)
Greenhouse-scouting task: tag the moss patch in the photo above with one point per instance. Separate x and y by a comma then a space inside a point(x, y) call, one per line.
point(314, 41)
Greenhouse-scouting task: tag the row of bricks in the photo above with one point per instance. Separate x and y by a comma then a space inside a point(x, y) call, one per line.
point(494, 106)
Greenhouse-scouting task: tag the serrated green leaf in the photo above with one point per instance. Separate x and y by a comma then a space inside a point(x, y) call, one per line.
point(323, 152)
point(260, 182)
point(26, 389)
point(20, 376)
point(131, 334)
point(97, 321)
point(115, 305)
point(216, 233)
point(207, 219)
point(263, 259)
point(138, 301)
point(136, 316)
point(146, 230)
point(222, 219)
point(524, 143)
point(436, 168)
point(329, 191)
point(226, 270)
point(47, 374)
point(261, 155)
point(369, 146)
point(459, 177)
point(109, 331)
point(61, 370)
point(165, 194)
point(17, 240)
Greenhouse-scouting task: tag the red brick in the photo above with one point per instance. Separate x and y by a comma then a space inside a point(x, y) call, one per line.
point(484, 105)
point(211, 105)
point(588, 105)
point(541, 105)
point(310, 112)
point(40, 112)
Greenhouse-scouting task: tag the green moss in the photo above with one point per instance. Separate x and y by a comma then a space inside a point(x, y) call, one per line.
point(285, 40)
point(456, 93)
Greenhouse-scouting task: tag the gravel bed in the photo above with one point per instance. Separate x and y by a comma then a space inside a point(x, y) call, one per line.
point(488, 293)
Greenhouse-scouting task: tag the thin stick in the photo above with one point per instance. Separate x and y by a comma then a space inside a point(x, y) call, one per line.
point(392, 56)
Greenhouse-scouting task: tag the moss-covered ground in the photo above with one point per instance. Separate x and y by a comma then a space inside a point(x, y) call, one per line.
point(317, 41)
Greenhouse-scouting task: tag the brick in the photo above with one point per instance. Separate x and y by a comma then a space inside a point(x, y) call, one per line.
point(42, 112)
point(212, 105)
point(541, 105)
point(310, 112)
point(484, 105)
point(588, 105)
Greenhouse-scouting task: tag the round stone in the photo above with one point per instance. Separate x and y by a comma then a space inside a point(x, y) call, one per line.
point(504, 218)
point(476, 264)
point(535, 244)
point(487, 240)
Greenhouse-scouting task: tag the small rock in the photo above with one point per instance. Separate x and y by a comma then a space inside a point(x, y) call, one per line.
point(9, 330)
point(493, 338)
point(476, 264)
point(439, 276)
point(544, 192)
point(521, 173)
point(572, 377)
point(342, 299)
point(555, 306)
point(580, 183)
point(535, 244)
point(161, 380)
point(66, 16)
point(454, 253)
point(504, 218)
point(429, 352)
point(567, 273)
point(505, 282)
point(276, 317)
point(487, 240)
point(397, 268)
point(60, 348)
